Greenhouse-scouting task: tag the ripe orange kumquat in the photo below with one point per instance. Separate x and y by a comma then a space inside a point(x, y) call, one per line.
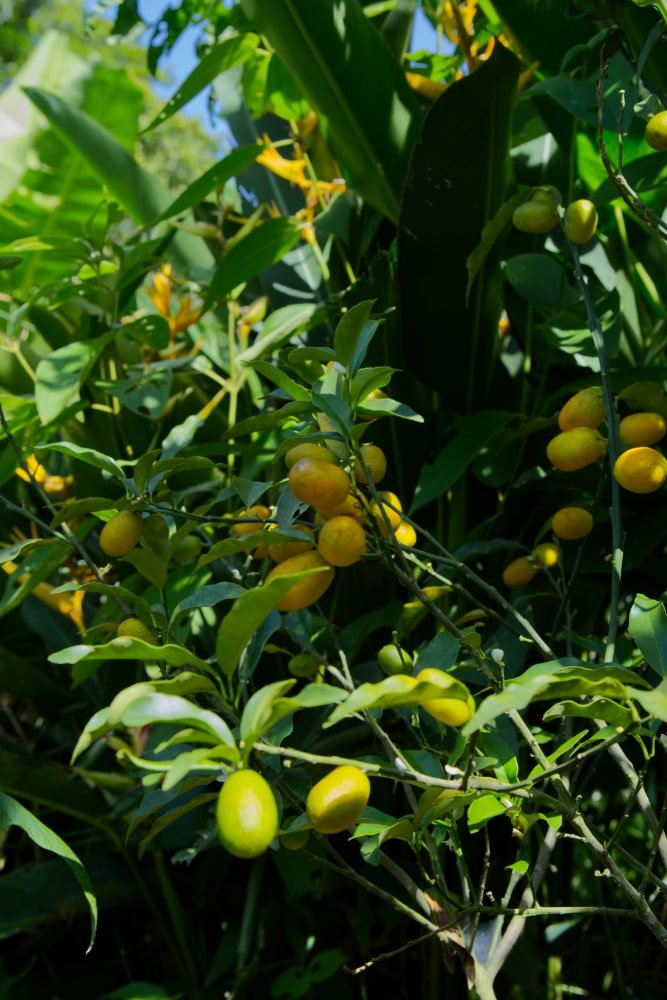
point(575, 449)
point(308, 449)
point(342, 541)
point(640, 470)
point(572, 523)
point(373, 458)
point(640, 429)
point(304, 592)
point(584, 409)
point(319, 484)
point(519, 572)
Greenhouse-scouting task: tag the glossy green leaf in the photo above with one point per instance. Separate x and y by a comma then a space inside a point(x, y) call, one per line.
point(398, 691)
point(279, 327)
point(482, 809)
point(350, 77)
point(61, 374)
point(597, 708)
point(223, 56)
point(132, 186)
point(472, 434)
point(268, 706)
point(552, 681)
point(254, 253)
point(455, 185)
point(12, 813)
point(247, 614)
point(87, 455)
point(207, 597)
point(184, 684)
point(213, 179)
point(654, 702)
point(152, 331)
point(491, 233)
point(353, 335)
point(648, 627)
point(157, 707)
point(246, 543)
point(279, 377)
point(127, 648)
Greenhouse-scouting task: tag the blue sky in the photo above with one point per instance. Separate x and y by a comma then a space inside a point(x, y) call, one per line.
point(182, 60)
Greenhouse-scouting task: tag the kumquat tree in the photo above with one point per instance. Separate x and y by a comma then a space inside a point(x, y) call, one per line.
point(333, 514)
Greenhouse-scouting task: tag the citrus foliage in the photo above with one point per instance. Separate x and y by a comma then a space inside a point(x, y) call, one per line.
point(444, 274)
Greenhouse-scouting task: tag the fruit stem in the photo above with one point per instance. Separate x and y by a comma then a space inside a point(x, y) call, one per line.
point(613, 450)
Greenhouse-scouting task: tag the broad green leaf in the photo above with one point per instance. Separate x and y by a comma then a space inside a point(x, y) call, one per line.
point(132, 186)
point(276, 375)
point(268, 706)
point(482, 809)
point(12, 552)
point(247, 614)
point(281, 326)
point(257, 711)
point(8, 263)
point(148, 330)
point(434, 803)
point(353, 335)
point(441, 652)
point(253, 254)
point(113, 591)
point(107, 718)
point(399, 691)
point(648, 627)
point(87, 455)
point(157, 707)
point(214, 179)
point(207, 597)
point(537, 278)
point(223, 56)
point(654, 702)
point(597, 708)
point(127, 648)
point(61, 374)
point(372, 116)
point(491, 233)
point(12, 813)
point(246, 543)
point(456, 183)
point(552, 681)
point(472, 434)
point(150, 565)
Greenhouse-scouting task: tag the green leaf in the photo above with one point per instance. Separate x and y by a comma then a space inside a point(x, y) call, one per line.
point(157, 707)
point(152, 331)
point(552, 681)
point(9, 263)
point(353, 335)
point(472, 434)
point(246, 543)
point(184, 684)
point(60, 375)
point(215, 178)
point(491, 233)
point(276, 375)
point(372, 116)
point(598, 708)
point(399, 691)
point(127, 648)
point(281, 325)
point(87, 455)
point(455, 185)
point(268, 706)
point(245, 617)
point(223, 56)
point(12, 813)
point(648, 628)
point(207, 597)
point(482, 809)
point(254, 253)
point(654, 702)
point(537, 278)
point(134, 188)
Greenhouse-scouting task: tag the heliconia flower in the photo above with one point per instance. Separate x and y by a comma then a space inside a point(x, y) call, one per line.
point(35, 471)
point(69, 604)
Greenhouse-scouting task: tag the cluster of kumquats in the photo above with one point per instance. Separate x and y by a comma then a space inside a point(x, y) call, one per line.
point(639, 468)
point(343, 516)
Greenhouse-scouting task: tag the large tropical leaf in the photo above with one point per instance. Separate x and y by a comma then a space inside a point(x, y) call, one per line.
point(350, 77)
point(456, 182)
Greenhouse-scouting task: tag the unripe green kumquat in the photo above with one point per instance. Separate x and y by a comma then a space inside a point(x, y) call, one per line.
point(572, 523)
point(640, 470)
point(134, 628)
point(537, 215)
point(338, 799)
point(575, 449)
point(639, 429)
point(246, 814)
point(121, 534)
point(656, 132)
point(581, 221)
